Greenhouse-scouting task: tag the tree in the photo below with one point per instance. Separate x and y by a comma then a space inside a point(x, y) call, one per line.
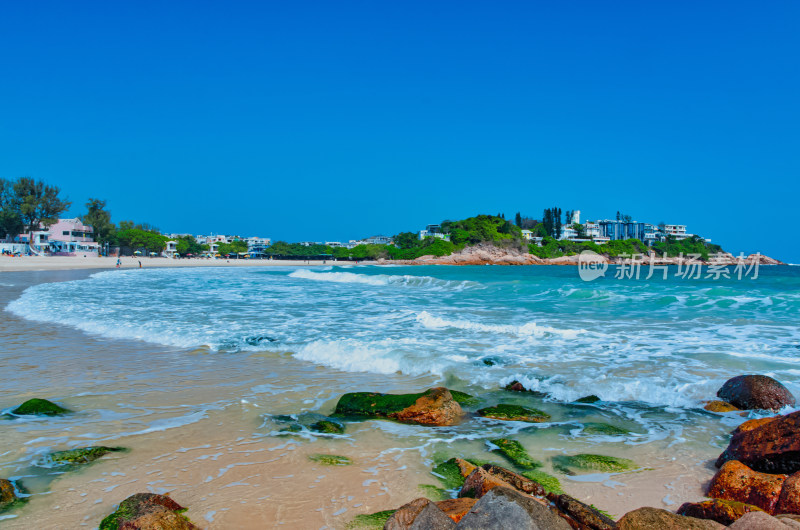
point(236, 246)
point(518, 219)
point(100, 220)
point(39, 204)
point(557, 226)
point(11, 224)
point(189, 245)
point(580, 230)
point(406, 240)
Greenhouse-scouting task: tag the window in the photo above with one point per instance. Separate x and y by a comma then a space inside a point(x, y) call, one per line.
point(65, 233)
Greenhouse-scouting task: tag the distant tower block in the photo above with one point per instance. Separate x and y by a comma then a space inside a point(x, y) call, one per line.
point(576, 217)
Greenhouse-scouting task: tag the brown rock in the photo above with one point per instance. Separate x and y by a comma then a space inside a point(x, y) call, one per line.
point(419, 514)
point(517, 481)
point(759, 521)
point(653, 518)
point(455, 509)
point(148, 511)
point(721, 511)
point(465, 467)
point(789, 499)
point(749, 425)
point(479, 482)
point(436, 407)
point(756, 392)
point(773, 447)
point(584, 514)
point(508, 509)
point(737, 482)
point(7, 493)
point(719, 406)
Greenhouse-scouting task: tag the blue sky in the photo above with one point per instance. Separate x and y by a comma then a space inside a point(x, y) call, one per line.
point(340, 120)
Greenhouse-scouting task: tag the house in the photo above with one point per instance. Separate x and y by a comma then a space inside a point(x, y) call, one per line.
point(66, 236)
point(527, 235)
point(171, 249)
point(379, 240)
point(433, 231)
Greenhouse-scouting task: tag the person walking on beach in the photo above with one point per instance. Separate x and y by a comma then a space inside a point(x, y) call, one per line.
point(140, 264)
point(119, 263)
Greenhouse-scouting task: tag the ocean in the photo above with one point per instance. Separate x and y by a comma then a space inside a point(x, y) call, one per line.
point(162, 355)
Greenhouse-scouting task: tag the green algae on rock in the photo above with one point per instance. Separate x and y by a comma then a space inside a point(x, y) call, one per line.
point(604, 429)
point(514, 413)
point(449, 474)
point(308, 421)
point(434, 407)
point(371, 521)
point(148, 510)
point(39, 407)
point(330, 460)
point(79, 456)
point(434, 493)
point(373, 404)
point(548, 482)
point(588, 399)
point(464, 399)
point(515, 453)
point(588, 462)
point(8, 495)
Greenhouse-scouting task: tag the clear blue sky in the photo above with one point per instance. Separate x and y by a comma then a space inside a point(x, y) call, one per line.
point(338, 120)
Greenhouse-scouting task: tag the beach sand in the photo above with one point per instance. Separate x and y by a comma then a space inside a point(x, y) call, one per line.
point(196, 431)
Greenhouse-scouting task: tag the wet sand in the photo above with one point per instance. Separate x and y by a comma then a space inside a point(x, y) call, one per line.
point(193, 420)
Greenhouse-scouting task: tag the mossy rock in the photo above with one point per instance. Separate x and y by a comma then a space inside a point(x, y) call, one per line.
point(8, 495)
point(434, 493)
point(588, 399)
point(371, 521)
point(464, 399)
point(516, 386)
point(39, 407)
point(372, 404)
point(308, 421)
point(330, 460)
point(80, 456)
point(550, 483)
point(606, 429)
point(153, 507)
point(588, 462)
point(449, 474)
point(515, 453)
point(514, 413)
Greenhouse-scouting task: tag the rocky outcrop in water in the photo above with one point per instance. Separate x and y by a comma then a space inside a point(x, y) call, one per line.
point(737, 482)
point(436, 406)
point(39, 407)
point(756, 392)
point(147, 511)
point(772, 446)
point(8, 495)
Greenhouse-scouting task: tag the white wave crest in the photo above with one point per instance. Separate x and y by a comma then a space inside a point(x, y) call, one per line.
point(382, 357)
point(381, 279)
point(530, 329)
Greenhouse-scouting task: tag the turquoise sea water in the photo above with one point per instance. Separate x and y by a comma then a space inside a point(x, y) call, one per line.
point(667, 343)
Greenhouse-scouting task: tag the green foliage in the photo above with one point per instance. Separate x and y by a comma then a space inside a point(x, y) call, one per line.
point(189, 245)
point(407, 240)
point(100, 220)
point(515, 453)
point(430, 246)
point(693, 245)
point(483, 229)
point(236, 246)
point(39, 407)
point(25, 204)
point(137, 238)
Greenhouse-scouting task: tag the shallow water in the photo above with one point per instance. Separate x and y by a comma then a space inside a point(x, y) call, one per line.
point(186, 367)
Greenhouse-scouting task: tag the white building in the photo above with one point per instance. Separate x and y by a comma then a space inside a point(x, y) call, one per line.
point(171, 249)
point(433, 231)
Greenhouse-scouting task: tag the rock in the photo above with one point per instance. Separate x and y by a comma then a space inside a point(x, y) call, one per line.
point(518, 482)
point(773, 447)
point(737, 482)
point(419, 514)
point(514, 413)
point(719, 406)
point(584, 514)
point(480, 482)
point(79, 456)
point(587, 462)
point(516, 386)
point(604, 429)
point(789, 499)
point(456, 509)
point(370, 521)
point(790, 520)
point(309, 421)
point(433, 407)
point(330, 460)
point(39, 407)
point(719, 510)
point(464, 399)
point(147, 511)
point(8, 495)
point(504, 508)
point(749, 425)
point(517, 454)
point(588, 399)
point(653, 518)
point(759, 521)
point(756, 392)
